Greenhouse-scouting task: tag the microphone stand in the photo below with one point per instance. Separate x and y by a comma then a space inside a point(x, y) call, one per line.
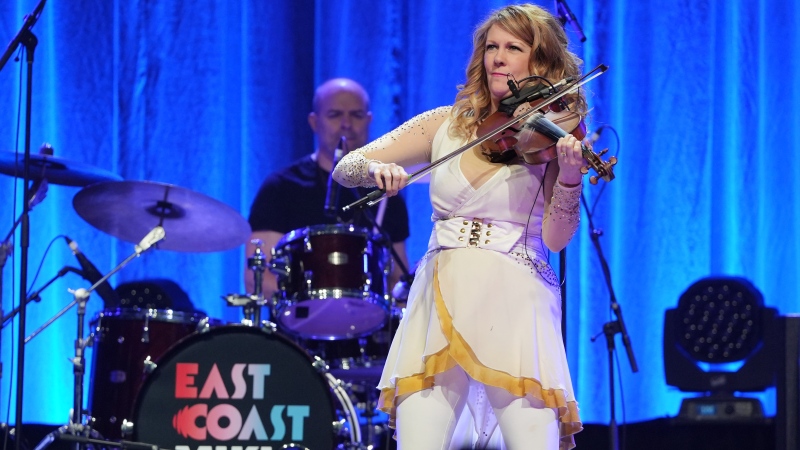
point(369, 411)
point(80, 298)
point(27, 39)
point(610, 329)
point(370, 217)
point(35, 296)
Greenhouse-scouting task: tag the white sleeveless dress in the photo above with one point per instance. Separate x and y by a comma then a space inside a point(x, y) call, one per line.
point(484, 298)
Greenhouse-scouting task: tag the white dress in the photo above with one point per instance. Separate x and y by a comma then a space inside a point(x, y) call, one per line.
point(483, 299)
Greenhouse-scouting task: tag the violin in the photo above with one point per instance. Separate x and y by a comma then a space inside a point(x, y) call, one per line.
point(534, 139)
point(528, 134)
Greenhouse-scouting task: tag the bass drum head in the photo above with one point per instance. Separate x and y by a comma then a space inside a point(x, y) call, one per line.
point(235, 386)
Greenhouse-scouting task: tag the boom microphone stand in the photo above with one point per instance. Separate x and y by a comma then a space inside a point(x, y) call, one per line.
point(27, 39)
point(81, 297)
point(610, 329)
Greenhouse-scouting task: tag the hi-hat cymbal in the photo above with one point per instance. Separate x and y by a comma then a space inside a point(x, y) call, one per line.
point(55, 170)
point(193, 222)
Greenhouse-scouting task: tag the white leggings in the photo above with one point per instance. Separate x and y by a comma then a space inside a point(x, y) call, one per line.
point(426, 419)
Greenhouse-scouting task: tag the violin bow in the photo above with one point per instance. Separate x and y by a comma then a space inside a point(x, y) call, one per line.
point(378, 195)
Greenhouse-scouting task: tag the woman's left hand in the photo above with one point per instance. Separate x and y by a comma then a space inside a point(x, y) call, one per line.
point(570, 160)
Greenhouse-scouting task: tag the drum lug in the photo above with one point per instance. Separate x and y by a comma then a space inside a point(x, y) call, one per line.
point(279, 266)
point(320, 365)
point(338, 427)
point(204, 325)
point(308, 275)
point(269, 327)
point(146, 329)
point(149, 366)
point(126, 427)
point(307, 244)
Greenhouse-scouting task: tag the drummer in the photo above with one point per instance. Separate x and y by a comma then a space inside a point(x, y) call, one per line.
point(294, 197)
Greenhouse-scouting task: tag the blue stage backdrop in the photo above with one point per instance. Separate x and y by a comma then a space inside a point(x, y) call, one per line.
point(212, 96)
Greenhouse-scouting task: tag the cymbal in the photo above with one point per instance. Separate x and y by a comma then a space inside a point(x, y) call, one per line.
point(193, 222)
point(55, 170)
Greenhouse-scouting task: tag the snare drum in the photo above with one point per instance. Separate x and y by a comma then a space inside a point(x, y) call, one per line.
point(126, 342)
point(238, 387)
point(332, 282)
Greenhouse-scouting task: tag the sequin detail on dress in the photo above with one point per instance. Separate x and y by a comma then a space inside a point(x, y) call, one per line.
point(542, 267)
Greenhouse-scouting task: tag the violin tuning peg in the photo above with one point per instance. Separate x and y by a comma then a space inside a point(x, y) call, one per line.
point(585, 170)
point(593, 179)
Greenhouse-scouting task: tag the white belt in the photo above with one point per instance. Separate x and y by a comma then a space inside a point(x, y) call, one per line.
point(460, 232)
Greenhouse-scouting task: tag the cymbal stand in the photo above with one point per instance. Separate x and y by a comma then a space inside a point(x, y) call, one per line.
point(258, 264)
point(253, 303)
point(81, 297)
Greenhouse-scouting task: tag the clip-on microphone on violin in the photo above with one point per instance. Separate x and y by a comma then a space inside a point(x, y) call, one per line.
point(528, 94)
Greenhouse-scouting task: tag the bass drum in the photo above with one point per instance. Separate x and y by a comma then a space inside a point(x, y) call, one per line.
point(243, 387)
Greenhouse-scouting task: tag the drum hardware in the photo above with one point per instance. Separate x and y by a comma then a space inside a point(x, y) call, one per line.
point(331, 281)
point(344, 399)
point(76, 425)
point(149, 366)
point(252, 304)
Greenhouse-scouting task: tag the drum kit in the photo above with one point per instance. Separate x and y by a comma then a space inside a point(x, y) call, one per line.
point(161, 377)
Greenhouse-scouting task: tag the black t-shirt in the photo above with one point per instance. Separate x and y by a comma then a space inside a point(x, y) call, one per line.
point(294, 198)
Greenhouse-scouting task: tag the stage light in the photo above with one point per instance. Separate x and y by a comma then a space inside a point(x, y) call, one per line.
point(718, 341)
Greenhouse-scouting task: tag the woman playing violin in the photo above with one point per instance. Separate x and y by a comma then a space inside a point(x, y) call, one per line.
point(478, 357)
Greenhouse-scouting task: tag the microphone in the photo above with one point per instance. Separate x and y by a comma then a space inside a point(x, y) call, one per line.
point(92, 275)
point(565, 15)
point(512, 86)
point(332, 194)
point(530, 93)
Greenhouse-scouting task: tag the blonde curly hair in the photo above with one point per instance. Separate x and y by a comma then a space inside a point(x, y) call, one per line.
point(550, 58)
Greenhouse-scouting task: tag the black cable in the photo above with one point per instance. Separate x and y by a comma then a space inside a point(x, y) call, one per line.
point(603, 187)
point(41, 263)
point(528, 223)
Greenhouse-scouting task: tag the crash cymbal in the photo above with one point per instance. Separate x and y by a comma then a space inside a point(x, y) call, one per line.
point(55, 170)
point(193, 222)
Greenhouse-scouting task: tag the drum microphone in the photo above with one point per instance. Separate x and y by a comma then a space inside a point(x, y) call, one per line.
point(332, 194)
point(92, 275)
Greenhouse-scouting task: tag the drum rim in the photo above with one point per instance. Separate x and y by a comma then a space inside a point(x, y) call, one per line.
point(233, 328)
point(324, 229)
point(337, 293)
point(152, 314)
point(369, 297)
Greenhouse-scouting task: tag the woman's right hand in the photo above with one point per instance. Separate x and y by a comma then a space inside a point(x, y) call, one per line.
point(390, 177)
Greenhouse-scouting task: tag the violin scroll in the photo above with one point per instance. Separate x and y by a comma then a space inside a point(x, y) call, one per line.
point(604, 169)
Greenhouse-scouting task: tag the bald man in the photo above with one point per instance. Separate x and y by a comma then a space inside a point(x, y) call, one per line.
point(294, 198)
